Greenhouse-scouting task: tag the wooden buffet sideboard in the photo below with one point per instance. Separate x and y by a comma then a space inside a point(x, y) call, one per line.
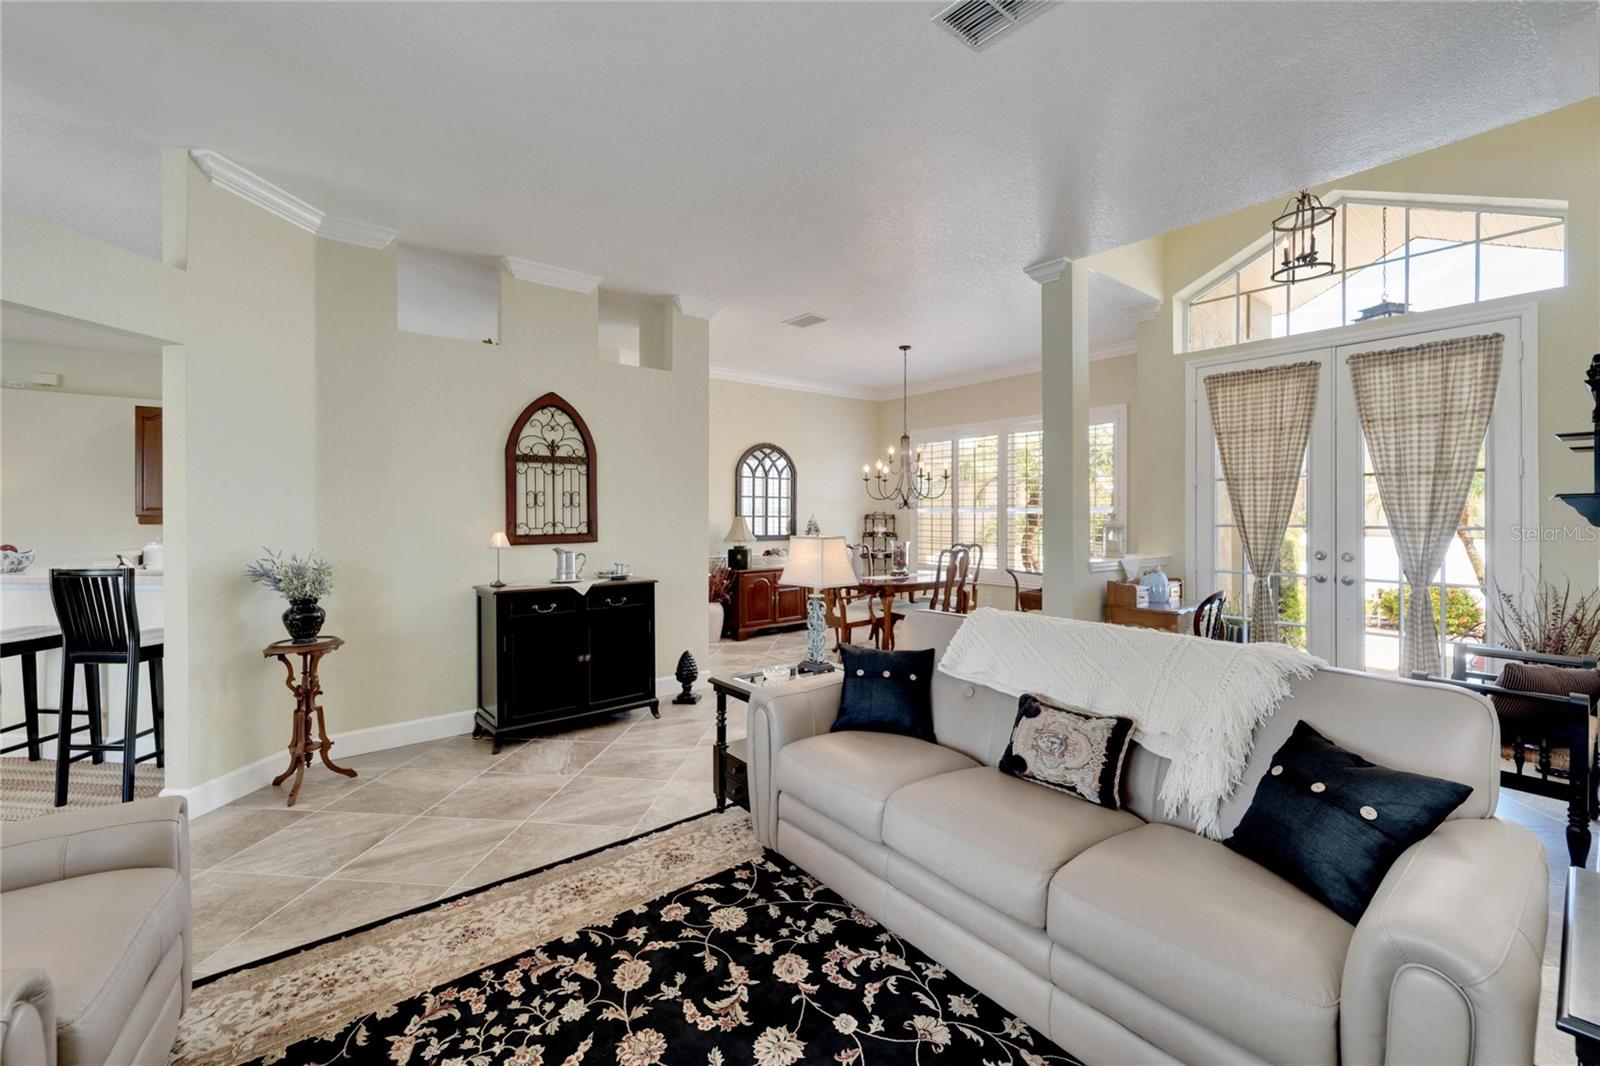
point(757, 601)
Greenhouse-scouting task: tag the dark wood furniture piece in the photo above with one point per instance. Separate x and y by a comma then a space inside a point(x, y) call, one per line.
point(730, 763)
point(147, 465)
point(1569, 721)
point(844, 621)
point(99, 619)
point(1027, 599)
point(950, 592)
point(877, 541)
point(886, 587)
point(1578, 994)
point(306, 688)
point(757, 600)
point(26, 643)
point(553, 653)
point(1122, 610)
point(1208, 617)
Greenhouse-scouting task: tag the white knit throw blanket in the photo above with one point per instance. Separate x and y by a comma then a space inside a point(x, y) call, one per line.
point(1195, 702)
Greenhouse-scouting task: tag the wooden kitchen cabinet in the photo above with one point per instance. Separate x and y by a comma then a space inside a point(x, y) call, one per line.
point(757, 601)
point(147, 465)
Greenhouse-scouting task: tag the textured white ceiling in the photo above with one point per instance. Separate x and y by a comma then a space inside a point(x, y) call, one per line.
point(850, 159)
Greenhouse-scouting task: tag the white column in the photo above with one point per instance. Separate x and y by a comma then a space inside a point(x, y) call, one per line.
point(1064, 346)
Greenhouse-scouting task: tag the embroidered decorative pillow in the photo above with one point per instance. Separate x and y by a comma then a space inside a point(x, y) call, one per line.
point(887, 691)
point(1332, 823)
point(1072, 751)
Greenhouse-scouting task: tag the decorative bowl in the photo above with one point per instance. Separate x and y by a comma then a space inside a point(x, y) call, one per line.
point(15, 562)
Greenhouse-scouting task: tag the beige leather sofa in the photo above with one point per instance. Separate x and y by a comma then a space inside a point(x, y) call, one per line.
point(94, 935)
point(1126, 937)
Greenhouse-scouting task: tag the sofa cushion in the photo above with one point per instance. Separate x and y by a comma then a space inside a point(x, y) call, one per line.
point(849, 775)
point(995, 837)
point(100, 938)
point(1209, 934)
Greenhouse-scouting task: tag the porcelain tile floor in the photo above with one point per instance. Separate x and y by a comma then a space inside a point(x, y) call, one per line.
point(429, 820)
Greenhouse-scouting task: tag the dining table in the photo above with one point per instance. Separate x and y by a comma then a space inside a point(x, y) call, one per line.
point(887, 586)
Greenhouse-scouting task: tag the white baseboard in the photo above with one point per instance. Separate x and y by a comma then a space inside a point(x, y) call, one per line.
point(220, 791)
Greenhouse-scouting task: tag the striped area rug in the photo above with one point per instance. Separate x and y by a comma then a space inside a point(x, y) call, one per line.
point(28, 789)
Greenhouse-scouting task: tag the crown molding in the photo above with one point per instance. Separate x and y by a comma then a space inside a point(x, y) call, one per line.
point(974, 377)
point(771, 381)
point(695, 307)
point(224, 173)
point(1112, 351)
point(349, 231)
point(1143, 312)
point(1047, 270)
point(545, 274)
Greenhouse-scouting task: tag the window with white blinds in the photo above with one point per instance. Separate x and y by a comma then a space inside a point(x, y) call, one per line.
point(996, 494)
point(1024, 531)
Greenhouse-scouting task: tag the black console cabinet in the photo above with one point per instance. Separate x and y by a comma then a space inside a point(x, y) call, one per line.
point(550, 653)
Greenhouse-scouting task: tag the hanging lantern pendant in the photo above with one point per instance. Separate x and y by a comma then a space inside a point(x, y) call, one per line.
point(1298, 225)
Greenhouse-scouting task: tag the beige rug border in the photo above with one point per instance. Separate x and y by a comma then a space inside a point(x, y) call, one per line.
point(262, 1010)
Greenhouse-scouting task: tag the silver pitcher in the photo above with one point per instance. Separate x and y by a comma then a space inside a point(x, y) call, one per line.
point(569, 564)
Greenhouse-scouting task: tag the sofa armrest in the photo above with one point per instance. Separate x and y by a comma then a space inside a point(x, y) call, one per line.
point(1445, 964)
point(777, 717)
point(144, 833)
point(27, 1018)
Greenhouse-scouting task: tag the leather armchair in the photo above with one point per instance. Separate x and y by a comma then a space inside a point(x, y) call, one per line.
point(95, 929)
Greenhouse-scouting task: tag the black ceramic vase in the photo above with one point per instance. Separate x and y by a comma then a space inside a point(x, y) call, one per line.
point(304, 620)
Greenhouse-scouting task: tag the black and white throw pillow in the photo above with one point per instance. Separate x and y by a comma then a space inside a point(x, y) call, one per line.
point(1074, 751)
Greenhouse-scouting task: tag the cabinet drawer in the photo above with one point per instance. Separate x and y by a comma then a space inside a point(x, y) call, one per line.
point(608, 597)
point(542, 602)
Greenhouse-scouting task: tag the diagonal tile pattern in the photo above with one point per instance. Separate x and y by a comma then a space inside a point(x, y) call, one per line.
point(427, 820)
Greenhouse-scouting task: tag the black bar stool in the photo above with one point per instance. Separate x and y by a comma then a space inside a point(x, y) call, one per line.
point(27, 643)
point(99, 626)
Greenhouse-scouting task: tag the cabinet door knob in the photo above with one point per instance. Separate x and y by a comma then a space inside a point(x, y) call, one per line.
point(545, 609)
point(616, 603)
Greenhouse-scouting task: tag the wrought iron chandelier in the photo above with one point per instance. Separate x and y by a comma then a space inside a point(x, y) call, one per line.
point(1297, 229)
point(902, 478)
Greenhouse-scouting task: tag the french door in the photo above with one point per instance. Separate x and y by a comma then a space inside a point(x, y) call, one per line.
point(1337, 582)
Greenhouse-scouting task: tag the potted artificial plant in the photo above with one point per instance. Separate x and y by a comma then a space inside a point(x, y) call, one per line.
point(300, 581)
point(718, 581)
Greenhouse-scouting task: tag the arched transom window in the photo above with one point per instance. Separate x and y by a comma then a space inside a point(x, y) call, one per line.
point(764, 491)
point(1393, 256)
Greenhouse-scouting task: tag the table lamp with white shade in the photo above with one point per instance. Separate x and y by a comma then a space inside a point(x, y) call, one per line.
point(497, 542)
point(817, 563)
point(738, 533)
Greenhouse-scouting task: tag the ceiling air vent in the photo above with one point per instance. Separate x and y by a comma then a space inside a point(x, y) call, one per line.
point(979, 22)
point(804, 321)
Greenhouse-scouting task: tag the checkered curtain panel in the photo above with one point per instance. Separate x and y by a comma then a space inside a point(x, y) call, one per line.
point(1424, 411)
point(1262, 419)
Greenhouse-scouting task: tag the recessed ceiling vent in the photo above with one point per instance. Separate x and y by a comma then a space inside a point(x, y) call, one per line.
point(804, 321)
point(979, 22)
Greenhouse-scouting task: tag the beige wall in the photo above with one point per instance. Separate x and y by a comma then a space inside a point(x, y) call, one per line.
point(87, 371)
point(1554, 156)
point(381, 450)
point(411, 431)
point(66, 477)
point(828, 437)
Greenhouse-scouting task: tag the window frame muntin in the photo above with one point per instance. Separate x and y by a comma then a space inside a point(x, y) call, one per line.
point(1556, 210)
point(794, 489)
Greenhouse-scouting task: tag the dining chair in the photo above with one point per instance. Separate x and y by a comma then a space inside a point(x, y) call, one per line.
point(1208, 617)
point(969, 589)
point(1027, 599)
point(950, 594)
point(99, 620)
point(846, 610)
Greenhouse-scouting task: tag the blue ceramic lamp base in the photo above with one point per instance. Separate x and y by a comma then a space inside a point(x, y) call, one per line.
point(816, 661)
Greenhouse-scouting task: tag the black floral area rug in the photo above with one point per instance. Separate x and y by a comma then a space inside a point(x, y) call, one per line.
point(758, 964)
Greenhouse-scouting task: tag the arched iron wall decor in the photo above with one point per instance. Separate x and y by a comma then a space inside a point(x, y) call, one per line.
point(550, 475)
point(763, 491)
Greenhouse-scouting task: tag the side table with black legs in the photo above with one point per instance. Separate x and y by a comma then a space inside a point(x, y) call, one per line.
point(1578, 996)
point(730, 762)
